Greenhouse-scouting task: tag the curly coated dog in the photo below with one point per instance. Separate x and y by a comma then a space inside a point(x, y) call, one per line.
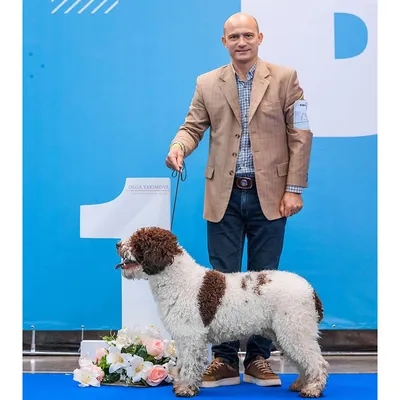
point(199, 306)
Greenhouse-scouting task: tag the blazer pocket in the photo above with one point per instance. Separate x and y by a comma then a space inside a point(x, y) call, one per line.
point(209, 172)
point(282, 169)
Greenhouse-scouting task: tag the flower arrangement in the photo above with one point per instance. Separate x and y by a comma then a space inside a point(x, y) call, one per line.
point(132, 358)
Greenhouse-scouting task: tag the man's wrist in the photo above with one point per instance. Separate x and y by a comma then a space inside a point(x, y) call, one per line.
point(178, 144)
point(294, 189)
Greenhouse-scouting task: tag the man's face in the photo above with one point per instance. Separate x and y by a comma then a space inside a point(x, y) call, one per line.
point(242, 40)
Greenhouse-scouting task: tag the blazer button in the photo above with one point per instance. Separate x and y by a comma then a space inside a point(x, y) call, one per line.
point(234, 154)
point(231, 173)
point(237, 136)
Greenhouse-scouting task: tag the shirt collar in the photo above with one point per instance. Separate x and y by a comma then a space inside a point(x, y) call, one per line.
point(250, 74)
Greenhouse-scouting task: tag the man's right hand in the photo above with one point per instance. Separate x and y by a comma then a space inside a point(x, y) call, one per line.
point(174, 158)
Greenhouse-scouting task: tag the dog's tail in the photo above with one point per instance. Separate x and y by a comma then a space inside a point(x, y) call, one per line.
point(318, 306)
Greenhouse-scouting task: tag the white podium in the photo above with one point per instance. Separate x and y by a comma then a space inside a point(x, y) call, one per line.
point(143, 202)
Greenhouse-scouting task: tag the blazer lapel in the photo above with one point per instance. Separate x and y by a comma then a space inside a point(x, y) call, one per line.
point(229, 88)
point(260, 85)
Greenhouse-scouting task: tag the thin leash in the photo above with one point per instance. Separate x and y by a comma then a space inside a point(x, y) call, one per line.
point(182, 175)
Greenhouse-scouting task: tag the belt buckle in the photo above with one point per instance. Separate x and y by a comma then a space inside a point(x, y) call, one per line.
point(244, 183)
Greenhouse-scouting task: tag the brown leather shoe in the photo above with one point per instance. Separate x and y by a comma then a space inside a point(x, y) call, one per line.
point(220, 373)
point(260, 373)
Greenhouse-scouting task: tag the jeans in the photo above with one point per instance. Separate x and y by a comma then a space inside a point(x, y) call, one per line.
point(244, 218)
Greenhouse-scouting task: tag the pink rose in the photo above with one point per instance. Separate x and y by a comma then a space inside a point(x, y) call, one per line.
point(155, 348)
point(99, 371)
point(156, 375)
point(100, 353)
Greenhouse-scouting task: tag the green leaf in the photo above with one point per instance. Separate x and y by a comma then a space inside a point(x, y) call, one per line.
point(141, 352)
point(109, 338)
point(144, 382)
point(130, 349)
point(111, 378)
point(103, 363)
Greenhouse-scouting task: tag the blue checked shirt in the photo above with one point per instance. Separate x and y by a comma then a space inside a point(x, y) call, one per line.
point(245, 164)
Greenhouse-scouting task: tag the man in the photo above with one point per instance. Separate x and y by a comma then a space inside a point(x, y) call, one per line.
point(257, 167)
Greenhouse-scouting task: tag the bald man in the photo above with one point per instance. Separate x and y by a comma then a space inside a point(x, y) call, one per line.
point(257, 167)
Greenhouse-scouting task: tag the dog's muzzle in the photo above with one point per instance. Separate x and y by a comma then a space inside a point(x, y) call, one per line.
point(127, 265)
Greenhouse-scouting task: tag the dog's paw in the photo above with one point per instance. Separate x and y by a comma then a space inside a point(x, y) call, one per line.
point(296, 386)
point(310, 393)
point(185, 391)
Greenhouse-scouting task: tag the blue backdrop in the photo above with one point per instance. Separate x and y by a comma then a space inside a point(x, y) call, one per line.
point(104, 93)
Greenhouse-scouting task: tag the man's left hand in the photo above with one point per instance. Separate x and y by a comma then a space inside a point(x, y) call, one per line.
point(291, 204)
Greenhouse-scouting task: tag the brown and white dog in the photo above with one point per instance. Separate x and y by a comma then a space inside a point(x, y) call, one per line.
point(199, 306)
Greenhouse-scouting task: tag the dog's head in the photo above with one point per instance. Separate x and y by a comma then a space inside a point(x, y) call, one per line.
point(147, 252)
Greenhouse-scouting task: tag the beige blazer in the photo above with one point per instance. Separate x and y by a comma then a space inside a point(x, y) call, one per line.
point(281, 153)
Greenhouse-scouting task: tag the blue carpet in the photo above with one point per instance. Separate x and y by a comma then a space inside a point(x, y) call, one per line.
point(60, 387)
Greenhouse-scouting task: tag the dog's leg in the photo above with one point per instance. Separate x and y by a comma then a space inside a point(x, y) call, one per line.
point(299, 383)
point(192, 354)
point(178, 357)
point(302, 348)
point(316, 375)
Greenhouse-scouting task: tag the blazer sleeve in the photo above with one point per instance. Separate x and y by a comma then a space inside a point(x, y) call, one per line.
point(196, 122)
point(299, 140)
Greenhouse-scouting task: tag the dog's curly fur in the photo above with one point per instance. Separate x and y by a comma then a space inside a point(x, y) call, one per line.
point(210, 295)
point(199, 306)
point(156, 251)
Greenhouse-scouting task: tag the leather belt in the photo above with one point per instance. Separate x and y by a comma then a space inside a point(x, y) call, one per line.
point(244, 182)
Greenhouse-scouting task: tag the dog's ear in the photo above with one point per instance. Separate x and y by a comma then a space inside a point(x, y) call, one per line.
point(155, 249)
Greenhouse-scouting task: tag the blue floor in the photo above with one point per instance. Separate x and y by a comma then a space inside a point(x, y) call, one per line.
point(60, 387)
